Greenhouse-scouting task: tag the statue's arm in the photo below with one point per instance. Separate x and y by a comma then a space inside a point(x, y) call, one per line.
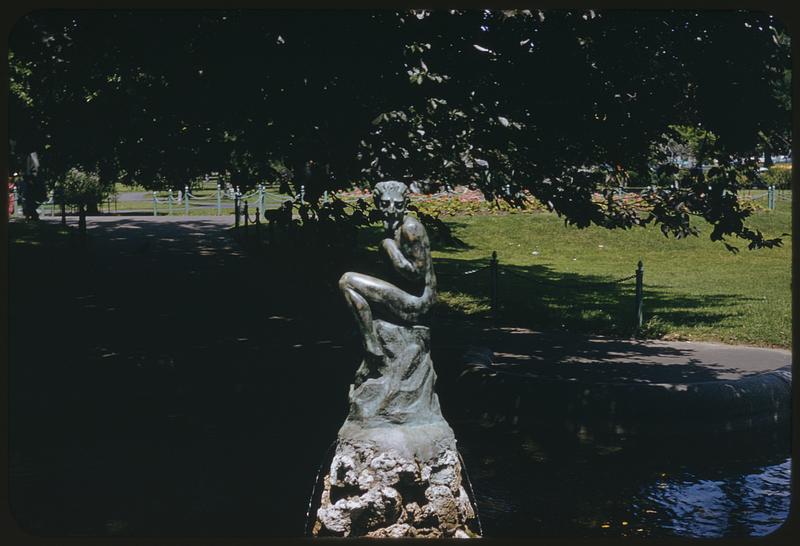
point(402, 265)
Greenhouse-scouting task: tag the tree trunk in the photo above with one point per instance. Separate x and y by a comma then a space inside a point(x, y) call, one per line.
point(82, 218)
point(92, 207)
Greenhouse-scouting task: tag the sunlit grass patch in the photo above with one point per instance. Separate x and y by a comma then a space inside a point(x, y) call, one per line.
point(556, 276)
point(467, 304)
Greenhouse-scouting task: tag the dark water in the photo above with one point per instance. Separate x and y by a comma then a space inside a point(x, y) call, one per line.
point(754, 504)
point(539, 483)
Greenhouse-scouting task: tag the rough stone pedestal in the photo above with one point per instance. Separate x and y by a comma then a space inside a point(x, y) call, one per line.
point(396, 470)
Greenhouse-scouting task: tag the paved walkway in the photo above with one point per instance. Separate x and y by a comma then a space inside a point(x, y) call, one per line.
point(134, 196)
point(625, 385)
point(176, 219)
point(572, 357)
point(193, 234)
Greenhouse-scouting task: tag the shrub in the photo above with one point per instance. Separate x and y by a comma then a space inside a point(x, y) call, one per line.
point(82, 187)
point(653, 328)
point(472, 203)
point(779, 176)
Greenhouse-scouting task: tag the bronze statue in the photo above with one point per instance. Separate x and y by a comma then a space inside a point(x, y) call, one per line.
point(407, 246)
point(396, 470)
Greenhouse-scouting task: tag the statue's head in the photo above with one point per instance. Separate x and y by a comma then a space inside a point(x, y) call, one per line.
point(391, 198)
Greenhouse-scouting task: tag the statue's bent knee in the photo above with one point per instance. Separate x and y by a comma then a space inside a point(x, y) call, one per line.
point(346, 281)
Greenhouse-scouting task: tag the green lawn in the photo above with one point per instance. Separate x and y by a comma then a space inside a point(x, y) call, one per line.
point(694, 289)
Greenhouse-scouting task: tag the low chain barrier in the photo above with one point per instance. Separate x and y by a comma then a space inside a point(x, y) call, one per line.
point(220, 201)
point(773, 195)
point(495, 273)
point(461, 273)
point(623, 279)
point(55, 203)
point(258, 198)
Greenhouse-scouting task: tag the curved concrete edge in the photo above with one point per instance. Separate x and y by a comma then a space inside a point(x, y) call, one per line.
point(754, 400)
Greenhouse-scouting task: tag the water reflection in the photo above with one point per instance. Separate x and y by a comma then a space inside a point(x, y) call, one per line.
point(557, 483)
point(753, 504)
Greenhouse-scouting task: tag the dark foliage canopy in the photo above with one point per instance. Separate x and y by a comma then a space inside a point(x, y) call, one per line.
point(564, 105)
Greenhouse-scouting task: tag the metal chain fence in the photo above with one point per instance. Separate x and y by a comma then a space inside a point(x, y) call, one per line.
point(496, 272)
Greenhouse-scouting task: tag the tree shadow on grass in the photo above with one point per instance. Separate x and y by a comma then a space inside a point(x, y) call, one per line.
point(539, 297)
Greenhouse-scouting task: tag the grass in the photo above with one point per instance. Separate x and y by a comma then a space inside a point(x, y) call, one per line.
point(38, 233)
point(694, 289)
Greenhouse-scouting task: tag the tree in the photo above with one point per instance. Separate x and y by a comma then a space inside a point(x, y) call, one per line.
point(606, 86)
point(565, 105)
